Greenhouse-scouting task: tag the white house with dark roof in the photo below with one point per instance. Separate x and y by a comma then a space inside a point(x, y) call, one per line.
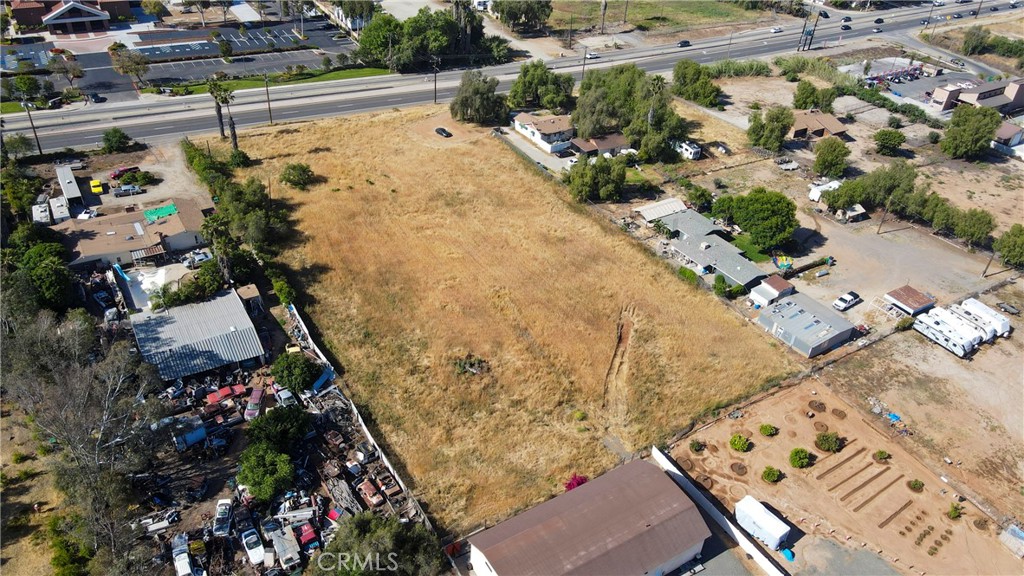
point(549, 133)
point(632, 520)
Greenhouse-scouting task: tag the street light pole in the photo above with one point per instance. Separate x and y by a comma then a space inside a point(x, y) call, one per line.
point(39, 147)
point(436, 60)
point(728, 51)
point(266, 87)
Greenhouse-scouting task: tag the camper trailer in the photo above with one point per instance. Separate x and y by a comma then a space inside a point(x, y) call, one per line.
point(998, 322)
point(761, 523)
point(969, 331)
point(974, 320)
point(936, 330)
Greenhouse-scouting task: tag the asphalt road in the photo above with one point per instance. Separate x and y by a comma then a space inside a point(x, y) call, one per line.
point(171, 119)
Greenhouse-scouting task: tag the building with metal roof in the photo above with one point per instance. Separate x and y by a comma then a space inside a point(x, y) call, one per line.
point(68, 184)
point(704, 245)
point(632, 520)
point(910, 300)
point(660, 209)
point(186, 340)
point(806, 325)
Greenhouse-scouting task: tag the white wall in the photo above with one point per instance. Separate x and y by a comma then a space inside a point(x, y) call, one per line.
point(479, 562)
point(183, 241)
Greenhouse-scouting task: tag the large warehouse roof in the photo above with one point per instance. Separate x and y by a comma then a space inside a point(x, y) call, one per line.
point(194, 338)
point(628, 521)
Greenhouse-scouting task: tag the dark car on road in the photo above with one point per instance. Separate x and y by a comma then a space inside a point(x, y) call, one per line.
point(683, 43)
point(994, 9)
point(96, 98)
point(443, 132)
point(824, 14)
point(879, 21)
point(847, 19)
point(846, 27)
point(973, 13)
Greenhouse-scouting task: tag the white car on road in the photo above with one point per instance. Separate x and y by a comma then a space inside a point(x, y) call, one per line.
point(592, 56)
point(776, 30)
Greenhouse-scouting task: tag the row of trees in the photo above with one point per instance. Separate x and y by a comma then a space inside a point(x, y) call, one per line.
point(978, 40)
point(522, 14)
point(539, 86)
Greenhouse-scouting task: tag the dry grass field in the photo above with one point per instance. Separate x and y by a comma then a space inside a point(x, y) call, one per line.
point(418, 250)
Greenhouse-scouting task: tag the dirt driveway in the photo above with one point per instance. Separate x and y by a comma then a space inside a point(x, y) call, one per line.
point(166, 162)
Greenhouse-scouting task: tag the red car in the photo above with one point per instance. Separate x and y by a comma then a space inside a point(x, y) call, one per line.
point(116, 174)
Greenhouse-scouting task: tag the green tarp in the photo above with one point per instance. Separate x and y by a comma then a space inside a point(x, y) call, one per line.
point(161, 212)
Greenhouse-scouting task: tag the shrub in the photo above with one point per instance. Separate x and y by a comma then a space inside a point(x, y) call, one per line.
point(295, 371)
point(688, 276)
point(771, 474)
point(739, 443)
point(792, 77)
point(696, 445)
point(298, 175)
point(142, 178)
point(45, 449)
point(284, 291)
point(882, 455)
point(239, 159)
point(768, 430)
point(19, 457)
point(755, 105)
point(579, 415)
point(894, 122)
point(799, 458)
point(916, 485)
point(721, 285)
point(905, 323)
point(115, 140)
point(737, 68)
point(934, 137)
point(828, 441)
point(955, 511)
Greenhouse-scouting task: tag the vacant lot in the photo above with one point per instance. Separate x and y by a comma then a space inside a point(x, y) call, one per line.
point(419, 250)
point(647, 14)
point(1012, 27)
point(847, 497)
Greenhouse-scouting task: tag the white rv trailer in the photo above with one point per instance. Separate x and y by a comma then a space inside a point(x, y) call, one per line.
point(756, 519)
point(974, 320)
point(1000, 323)
point(943, 334)
point(964, 327)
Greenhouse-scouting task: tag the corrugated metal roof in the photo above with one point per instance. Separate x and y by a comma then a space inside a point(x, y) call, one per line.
point(628, 521)
point(68, 183)
point(660, 209)
point(194, 338)
point(804, 319)
point(148, 252)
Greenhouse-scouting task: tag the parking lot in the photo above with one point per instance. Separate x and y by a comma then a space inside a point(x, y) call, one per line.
point(269, 63)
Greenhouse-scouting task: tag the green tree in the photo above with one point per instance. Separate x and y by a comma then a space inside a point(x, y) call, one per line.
point(524, 14)
point(974, 226)
point(769, 217)
point(115, 140)
point(771, 131)
point(153, 7)
point(888, 141)
point(69, 69)
point(226, 50)
point(755, 128)
point(768, 430)
point(537, 85)
point(265, 471)
point(296, 372)
point(201, 5)
point(222, 96)
point(18, 145)
point(1011, 246)
point(771, 474)
point(975, 40)
point(52, 280)
point(701, 198)
point(298, 175)
point(693, 82)
point(724, 208)
point(130, 63)
point(799, 458)
point(830, 157)
point(603, 180)
point(806, 95)
point(280, 428)
point(415, 549)
point(27, 86)
point(828, 441)
point(739, 443)
point(970, 131)
point(477, 102)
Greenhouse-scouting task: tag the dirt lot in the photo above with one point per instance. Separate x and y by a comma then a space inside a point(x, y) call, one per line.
point(970, 411)
point(420, 250)
point(24, 551)
point(848, 497)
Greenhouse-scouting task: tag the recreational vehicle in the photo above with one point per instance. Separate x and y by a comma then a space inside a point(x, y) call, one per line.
point(999, 323)
point(936, 330)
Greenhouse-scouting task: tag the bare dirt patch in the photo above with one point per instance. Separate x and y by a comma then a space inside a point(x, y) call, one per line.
point(846, 498)
point(418, 251)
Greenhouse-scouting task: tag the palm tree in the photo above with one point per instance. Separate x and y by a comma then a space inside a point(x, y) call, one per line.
point(221, 96)
point(656, 85)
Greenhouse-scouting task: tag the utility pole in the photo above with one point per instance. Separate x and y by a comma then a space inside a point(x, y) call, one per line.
point(266, 87)
point(39, 147)
point(728, 50)
point(583, 74)
point(884, 212)
point(978, 11)
point(570, 30)
point(625, 11)
point(990, 259)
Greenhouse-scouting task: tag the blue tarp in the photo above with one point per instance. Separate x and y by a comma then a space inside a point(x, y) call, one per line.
point(893, 417)
point(328, 375)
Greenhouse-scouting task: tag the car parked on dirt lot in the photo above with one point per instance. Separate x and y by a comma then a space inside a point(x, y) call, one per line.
point(103, 299)
point(96, 186)
point(194, 258)
point(846, 301)
point(222, 519)
point(253, 547)
point(116, 174)
point(127, 190)
point(442, 132)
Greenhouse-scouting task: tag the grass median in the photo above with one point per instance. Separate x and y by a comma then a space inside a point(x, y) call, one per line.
point(283, 80)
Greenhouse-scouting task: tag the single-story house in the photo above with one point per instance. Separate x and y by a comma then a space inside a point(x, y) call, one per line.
point(688, 150)
point(770, 290)
point(816, 191)
point(1009, 134)
point(815, 124)
point(1005, 96)
point(549, 133)
point(190, 339)
point(607, 144)
point(910, 300)
point(631, 520)
point(69, 16)
point(806, 325)
point(660, 209)
point(704, 246)
point(133, 237)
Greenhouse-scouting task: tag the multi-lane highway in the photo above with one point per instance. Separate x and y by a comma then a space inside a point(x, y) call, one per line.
point(170, 119)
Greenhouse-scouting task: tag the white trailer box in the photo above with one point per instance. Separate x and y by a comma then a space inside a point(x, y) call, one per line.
point(761, 523)
point(1000, 323)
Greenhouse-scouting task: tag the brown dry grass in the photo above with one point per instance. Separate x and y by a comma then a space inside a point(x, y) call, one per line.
point(420, 249)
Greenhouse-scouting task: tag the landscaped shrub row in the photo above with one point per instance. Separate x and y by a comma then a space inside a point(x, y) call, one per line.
point(873, 96)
